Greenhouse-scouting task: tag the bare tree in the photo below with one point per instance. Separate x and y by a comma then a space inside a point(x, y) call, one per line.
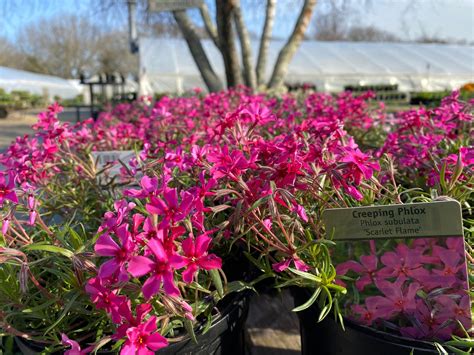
point(67, 46)
point(332, 21)
point(211, 79)
point(225, 30)
point(229, 16)
point(369, 34)
point(9, 55)
point(265, 41)
point(247, 57)
point(338, 20)
point(113, 55)
point(289, 49)
point(62, 46)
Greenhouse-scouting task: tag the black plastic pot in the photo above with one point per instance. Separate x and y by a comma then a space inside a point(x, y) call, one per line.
point(328, 337)
point(224, 337)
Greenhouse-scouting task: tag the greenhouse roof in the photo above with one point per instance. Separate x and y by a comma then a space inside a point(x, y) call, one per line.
point(166, 65)
point(14, 79)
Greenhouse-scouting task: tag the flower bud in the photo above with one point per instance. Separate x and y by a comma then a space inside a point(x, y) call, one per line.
point(23, 278)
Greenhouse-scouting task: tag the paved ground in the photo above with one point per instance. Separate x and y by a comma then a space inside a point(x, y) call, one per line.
point(16, 124)
point(272, 328)
point(19, 123)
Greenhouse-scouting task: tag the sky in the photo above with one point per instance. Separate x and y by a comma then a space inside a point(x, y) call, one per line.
point(408, 19)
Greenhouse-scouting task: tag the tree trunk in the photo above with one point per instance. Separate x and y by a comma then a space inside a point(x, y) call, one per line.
point(247, 57)
point(224, 14)
point(265, 41)
point(211, 79)
point(289, 49)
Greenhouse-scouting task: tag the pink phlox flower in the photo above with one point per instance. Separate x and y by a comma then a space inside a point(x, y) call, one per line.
point(169, 207)
point(6, 223)
point(75, 347)
point(228, 121)
point(225, 164)
point(137, 221)
point(149, 186)
point(359, 165)
point(286, 173)
point(285, 264)
point(257, 113)
point(197, 257)
point(128, 320)
point(267, 224)
point(149, 231)
point(161, 269)
point(104, 298)
point(198, 153)
point(106, 246)
point(143, 339)
point(7, 189)
point(300, 211)
point(352, 191)
point(114, 219)
point(174, 159)
point(205, 187)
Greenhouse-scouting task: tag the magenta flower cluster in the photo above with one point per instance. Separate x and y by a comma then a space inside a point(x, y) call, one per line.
point(230, 159)
point(424, 142)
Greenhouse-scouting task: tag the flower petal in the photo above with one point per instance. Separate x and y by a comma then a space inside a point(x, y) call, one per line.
point(157, 249)
point(210, 262)
point(188, 274)
point(168, 284)
point(156, 341)
point(139, 266)
point(202, 244)
point(108, 268)
point(106, 246)
point(151, 286)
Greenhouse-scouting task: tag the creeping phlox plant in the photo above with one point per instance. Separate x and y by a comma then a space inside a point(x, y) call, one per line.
point(135, 262)
point(244, 187)
point(433, 146)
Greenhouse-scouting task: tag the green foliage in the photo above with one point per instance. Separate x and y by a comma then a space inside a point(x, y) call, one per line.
point(20, 100)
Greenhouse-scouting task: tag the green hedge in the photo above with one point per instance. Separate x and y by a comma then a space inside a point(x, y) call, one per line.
point(18, 99)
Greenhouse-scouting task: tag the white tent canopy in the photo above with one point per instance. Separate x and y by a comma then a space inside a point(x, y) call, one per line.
point(50, 86)
point(166, 65)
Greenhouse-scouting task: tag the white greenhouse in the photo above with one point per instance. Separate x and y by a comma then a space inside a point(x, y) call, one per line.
point(40, 84)
point(166, 65)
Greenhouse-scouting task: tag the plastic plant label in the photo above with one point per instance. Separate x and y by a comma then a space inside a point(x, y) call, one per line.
point(416, 220)
point(404, 268)
point(110, 160)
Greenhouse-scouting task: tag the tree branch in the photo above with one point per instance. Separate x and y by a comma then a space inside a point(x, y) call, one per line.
point(289, 49)
point(210, 28)
point(265, 41)
point(188, 30)
point(247, 57)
